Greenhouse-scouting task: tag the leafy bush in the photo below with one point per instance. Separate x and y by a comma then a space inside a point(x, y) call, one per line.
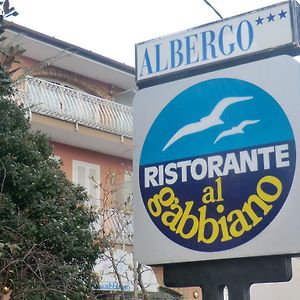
point(47, 248)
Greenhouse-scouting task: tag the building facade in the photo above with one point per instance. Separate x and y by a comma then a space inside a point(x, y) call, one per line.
point(83, 102)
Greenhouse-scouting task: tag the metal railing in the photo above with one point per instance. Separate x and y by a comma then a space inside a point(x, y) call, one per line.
point(53, 100)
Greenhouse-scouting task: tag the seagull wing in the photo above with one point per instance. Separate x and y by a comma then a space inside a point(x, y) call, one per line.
point(228, 132)
point(223, 104)
point(236, 130)
point(186, 130)
point(245, 123)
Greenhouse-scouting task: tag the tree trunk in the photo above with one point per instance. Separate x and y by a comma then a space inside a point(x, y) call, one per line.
point(115, 267)
point(140, 281)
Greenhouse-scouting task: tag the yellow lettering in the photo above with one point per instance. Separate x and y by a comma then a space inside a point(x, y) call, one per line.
point(207, 229)
point(247, 208)
point(154, 206)
point(219, 189)
point(183, 221)
point(265, 196)
point(203, 222)
point(224, 229)
point(175, 217)
point(209, 195)
point(240, 225)
point(166, 191)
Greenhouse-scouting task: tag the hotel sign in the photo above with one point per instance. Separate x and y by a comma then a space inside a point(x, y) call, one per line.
point(258, 31)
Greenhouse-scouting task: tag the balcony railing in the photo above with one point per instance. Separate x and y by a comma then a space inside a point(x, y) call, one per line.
point(53, 100)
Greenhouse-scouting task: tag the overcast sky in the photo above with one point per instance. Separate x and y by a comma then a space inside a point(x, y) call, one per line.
point(112, 27)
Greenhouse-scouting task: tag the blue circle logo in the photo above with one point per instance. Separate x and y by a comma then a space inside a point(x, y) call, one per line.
point(217, 165)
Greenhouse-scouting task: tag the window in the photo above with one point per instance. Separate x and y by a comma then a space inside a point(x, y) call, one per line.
point(123, 194)
point(88, 175)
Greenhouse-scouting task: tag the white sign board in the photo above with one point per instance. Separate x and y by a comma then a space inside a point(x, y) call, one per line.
point(254, 32)
point(215, 165)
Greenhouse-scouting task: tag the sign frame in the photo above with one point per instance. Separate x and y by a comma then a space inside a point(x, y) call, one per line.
point(163, 72)
point(184, 254)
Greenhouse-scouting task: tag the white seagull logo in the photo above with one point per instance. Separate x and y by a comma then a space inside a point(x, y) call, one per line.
point(236, 129)
point(206, 122)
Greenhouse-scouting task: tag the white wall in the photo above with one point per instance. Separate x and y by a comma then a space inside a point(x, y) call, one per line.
point(279, 291)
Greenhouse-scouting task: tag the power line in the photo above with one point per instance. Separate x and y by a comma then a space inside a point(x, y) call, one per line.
point(213, 9)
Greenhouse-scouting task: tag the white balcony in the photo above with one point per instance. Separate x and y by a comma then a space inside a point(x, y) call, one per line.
point(84, 112)
point(56, 101)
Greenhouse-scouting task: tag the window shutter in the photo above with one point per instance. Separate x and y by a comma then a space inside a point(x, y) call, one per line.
point(88, 175)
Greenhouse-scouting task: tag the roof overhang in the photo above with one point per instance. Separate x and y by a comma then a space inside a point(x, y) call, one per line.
point(72, 58)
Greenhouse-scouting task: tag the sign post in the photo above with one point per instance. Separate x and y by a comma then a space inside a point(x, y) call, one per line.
point(236, 274)
point(215, 153)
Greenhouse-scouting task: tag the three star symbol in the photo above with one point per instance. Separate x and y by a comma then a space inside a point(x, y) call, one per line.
point(271, 17)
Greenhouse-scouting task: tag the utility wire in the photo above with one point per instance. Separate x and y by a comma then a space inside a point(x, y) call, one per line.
point(213, 9)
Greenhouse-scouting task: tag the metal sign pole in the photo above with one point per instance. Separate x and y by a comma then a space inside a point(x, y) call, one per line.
point(236, 274)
